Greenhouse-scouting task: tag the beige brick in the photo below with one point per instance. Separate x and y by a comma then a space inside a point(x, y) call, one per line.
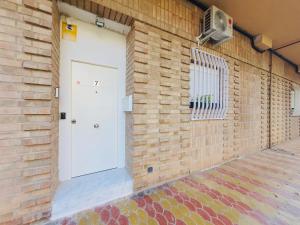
point(38, 21)
point(37, 36)
point(36, 140)
point(8, 5)
point(37, 96)
point(36, 156)
point(37, 51)
point(37, 80)
point(36, 171)
point(36, 65)
point(42, 5)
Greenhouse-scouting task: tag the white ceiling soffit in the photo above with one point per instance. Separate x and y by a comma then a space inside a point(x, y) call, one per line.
point(85, 16)
point(278, 19)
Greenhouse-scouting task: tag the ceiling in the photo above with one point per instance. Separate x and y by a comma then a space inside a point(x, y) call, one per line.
point(278, 19)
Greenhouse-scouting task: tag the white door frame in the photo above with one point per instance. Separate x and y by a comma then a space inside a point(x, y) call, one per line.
point(89, 47)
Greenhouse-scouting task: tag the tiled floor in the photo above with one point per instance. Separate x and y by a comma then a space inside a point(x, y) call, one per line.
point(88, 191)
point(259, 189)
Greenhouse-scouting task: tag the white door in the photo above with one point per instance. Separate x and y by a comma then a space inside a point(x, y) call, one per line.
point(94, 118)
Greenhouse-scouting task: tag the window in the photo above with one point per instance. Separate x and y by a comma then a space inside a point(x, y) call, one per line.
point(295, 100)
point(208, 86)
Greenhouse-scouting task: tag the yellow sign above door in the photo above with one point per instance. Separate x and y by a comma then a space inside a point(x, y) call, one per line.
point(69, 31)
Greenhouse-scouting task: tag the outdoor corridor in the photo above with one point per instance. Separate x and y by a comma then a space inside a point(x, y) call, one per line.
point(262, 188)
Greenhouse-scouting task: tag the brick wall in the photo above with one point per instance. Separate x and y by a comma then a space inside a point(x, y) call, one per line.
point(54, 104)
point(283, 125)
point(164, 136)
point(159, 131)
point(160, 95)
point(28, 111)
point(130, 55)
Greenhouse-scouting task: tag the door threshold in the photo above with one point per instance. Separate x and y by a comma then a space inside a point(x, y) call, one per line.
point(89, 191)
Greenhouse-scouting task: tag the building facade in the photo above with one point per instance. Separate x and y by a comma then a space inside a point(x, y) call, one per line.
point(159, 131)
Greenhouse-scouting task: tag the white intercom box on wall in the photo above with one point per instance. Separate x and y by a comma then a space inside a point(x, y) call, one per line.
point(127, 103)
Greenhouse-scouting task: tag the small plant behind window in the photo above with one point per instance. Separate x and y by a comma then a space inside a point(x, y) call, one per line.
point(203, 101)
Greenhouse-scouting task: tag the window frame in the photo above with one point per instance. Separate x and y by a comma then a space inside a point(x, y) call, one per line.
point(208, 86)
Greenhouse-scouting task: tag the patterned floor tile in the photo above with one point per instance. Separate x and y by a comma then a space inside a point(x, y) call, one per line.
point(260, 189)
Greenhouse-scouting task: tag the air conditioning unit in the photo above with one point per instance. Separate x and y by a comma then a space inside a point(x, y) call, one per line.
point(217, 25)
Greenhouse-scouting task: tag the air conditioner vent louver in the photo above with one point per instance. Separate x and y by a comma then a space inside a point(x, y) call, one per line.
point(207, 21)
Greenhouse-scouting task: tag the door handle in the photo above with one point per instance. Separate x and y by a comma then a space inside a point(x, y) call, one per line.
point(96, 125)
point(73, 121)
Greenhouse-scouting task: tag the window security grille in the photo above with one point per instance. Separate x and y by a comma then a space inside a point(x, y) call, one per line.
point(208, 86)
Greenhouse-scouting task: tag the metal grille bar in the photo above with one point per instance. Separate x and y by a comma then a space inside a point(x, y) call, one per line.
point(208, 86)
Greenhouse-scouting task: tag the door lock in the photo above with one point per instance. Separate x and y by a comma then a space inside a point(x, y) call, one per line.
point(96, 125)
point(73, 121)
